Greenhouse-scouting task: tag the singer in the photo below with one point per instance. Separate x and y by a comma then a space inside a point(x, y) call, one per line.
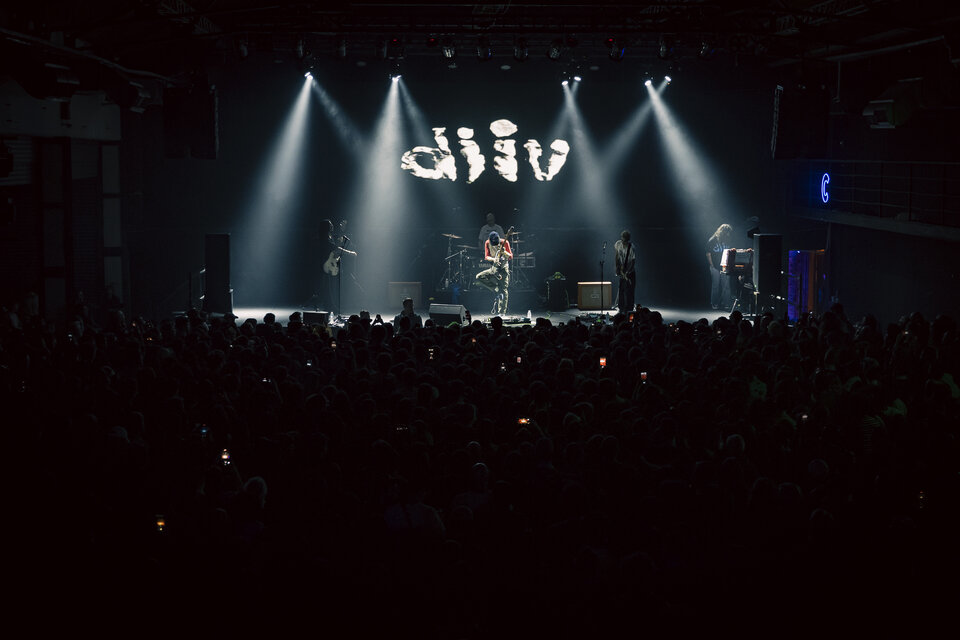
point(333, 246)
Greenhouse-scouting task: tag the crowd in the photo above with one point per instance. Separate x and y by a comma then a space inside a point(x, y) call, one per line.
point(465, 480)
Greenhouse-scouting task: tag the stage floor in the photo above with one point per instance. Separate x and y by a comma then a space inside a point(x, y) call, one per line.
point(514, 316)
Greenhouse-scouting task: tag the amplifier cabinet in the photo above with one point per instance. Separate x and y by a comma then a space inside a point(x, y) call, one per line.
point(594, 295)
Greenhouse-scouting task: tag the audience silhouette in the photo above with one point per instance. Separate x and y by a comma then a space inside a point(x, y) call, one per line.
point(577, 476)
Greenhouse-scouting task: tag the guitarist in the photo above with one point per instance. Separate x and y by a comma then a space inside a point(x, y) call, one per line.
point(496, 277)
point(626, 270)
point(336, 248)
point(332, 249)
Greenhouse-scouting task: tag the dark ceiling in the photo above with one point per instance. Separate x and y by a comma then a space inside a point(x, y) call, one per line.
point(172, 38)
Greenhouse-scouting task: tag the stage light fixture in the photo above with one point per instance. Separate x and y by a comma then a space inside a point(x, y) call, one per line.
point(433, 41)
point(301, 49)
point(395, 74)
point(342, 48)
point(484, 52)
point(308, 75)
point(448, 48)
point(706, 50)
point(520, 50)
point(555, 50)
point(564, 78)
point(667, 79)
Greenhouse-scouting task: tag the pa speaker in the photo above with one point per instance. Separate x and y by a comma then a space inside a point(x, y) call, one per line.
point(217, 294)
point(444, 314)
point(767, 263)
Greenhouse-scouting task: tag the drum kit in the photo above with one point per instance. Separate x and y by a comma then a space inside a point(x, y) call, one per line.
point(465, 261)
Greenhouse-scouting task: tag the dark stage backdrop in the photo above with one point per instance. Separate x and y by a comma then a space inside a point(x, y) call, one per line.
point(344, 171)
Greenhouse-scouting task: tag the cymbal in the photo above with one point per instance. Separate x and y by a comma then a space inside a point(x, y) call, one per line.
point(466, 246)
point(450, 235)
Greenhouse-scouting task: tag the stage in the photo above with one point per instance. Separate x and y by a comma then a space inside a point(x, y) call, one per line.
point(512, 317)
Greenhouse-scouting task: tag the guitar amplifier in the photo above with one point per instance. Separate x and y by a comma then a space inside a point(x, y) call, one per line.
point(397, 291)
point(594, 295)
point(736, 260)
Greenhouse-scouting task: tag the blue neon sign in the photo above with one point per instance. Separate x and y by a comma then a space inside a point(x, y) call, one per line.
point(824, 194)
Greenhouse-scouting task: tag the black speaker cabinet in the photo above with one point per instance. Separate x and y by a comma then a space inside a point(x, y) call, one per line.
point(444, 314)
point(557, 299)
point(767, 263)
point(316, 317)
point(217, 294)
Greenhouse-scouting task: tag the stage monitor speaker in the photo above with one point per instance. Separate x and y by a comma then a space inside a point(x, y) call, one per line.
point(397, 291)
point(316, 317)
point(767, 263)
point(594, 295)
point(444, 314)
point(217, 294)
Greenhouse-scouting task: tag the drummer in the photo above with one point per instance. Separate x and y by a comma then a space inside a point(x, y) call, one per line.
point(486, 229)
